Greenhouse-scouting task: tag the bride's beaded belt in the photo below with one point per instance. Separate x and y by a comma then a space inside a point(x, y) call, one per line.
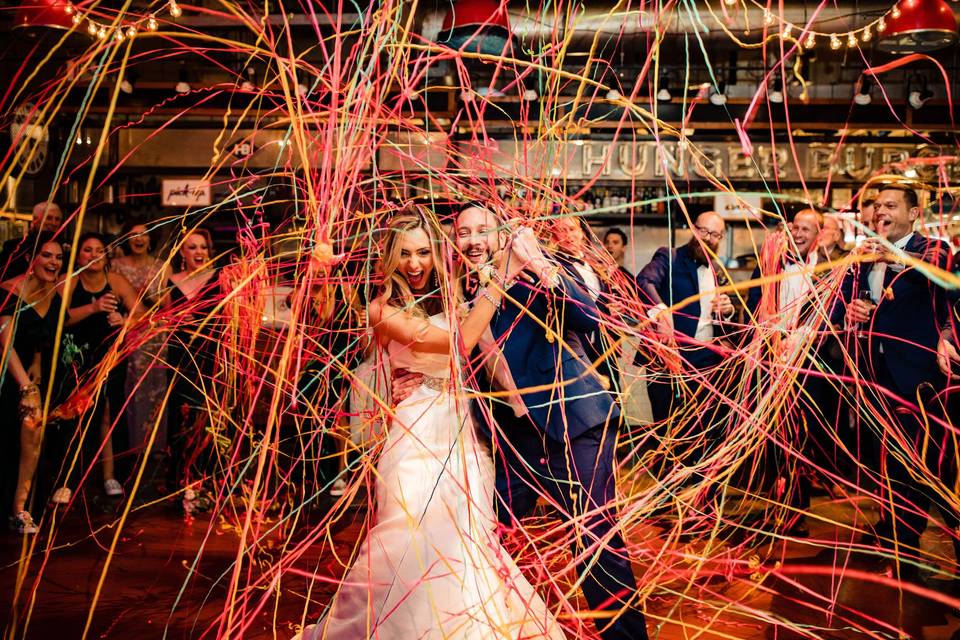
point(437, 384)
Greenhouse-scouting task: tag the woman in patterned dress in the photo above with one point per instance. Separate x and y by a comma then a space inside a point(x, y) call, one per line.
point(146, 377)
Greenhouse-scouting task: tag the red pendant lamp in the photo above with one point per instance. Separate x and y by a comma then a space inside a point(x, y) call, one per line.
point(916, 26)
point(53, 14)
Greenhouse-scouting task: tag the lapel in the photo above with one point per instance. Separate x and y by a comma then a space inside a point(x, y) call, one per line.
point(504, 317)
point(685, 267)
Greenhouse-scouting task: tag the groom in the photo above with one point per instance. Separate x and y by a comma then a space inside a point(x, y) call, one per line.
point(564, 447)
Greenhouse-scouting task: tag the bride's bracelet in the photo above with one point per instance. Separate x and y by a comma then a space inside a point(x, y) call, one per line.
point(483, 292)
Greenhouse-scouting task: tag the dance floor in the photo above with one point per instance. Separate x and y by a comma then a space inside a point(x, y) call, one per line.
point(147, 589)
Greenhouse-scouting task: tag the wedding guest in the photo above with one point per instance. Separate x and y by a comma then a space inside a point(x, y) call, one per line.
point(29, 314)
point(146, 378)
point(901, 313)
point(615, 242)
point(17, 253)
point(99, 303)
point(193, 293)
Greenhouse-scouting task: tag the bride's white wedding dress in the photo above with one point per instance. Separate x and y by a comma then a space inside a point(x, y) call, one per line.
point(432, 565)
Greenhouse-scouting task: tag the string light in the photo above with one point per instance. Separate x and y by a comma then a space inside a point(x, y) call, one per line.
point(852, 38)
point(103, 31)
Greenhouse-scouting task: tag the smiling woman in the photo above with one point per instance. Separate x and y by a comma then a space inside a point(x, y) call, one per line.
point(416, 260)
point(192, 296)
point(28, 321)
point(100, 304)
point(146, 379)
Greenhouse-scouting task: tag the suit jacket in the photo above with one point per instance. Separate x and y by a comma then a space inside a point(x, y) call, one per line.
point(907, 325)
point(14, 258)
point(755, 293)
point(669, 278)
point(563, 398)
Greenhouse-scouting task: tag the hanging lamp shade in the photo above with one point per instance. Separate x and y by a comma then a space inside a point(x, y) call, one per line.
point(476, 25)
point(920, 25)
point(54, 14)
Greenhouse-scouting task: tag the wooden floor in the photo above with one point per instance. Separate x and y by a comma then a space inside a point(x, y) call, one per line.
point(168, 575)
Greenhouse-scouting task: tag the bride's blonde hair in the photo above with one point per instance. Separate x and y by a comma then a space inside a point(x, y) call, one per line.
point(396, 290)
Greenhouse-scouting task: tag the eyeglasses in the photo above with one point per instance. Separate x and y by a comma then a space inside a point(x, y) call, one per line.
point(706, 233)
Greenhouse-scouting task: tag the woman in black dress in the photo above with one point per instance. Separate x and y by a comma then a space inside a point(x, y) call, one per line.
point(99, 305)
point(192, 296)
point(29, 315)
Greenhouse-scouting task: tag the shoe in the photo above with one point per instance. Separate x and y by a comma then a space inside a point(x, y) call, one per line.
point(23, 523)
point(339, 486)
point(112, 488)
point(61, 496)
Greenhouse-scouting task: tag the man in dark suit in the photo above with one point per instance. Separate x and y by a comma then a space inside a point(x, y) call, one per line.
point(15, 255)
point(615, 242)
point(789, 312)
point(690, 272)
point(830, 243)
point(901, 313)
point(564, 447)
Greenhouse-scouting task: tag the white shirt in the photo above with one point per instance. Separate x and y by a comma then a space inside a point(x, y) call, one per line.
point(879, 270)
point(590, 279)
point(707, 283)
point(795, 289)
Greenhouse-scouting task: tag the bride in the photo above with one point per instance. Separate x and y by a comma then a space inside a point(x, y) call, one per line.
point(432, 565)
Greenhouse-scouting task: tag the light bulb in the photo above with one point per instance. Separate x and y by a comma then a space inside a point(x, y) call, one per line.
point(102, 33)
point(118, 36)
point(77, 18)
point(787, 31)
point(152, 23)
point(895, 12)
point(811, 41)
point(834, 42)
point(175, 10)
point(131, 31)
point(69, 9)
point(867, 34)
point(851, 40)
point(92, 28)
point(881, 25)
point(768, 18)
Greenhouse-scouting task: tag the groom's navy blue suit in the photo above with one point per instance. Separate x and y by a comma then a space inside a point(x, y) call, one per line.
point(565, 449)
